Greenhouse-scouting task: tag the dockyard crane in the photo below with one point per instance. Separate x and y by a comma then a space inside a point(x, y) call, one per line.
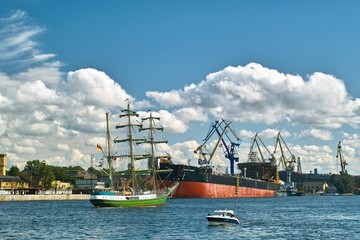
point(286, 162)
point(340, 156)
point(255, 141)
point(230, 149)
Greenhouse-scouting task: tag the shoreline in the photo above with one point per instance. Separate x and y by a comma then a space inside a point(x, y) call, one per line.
point(42, 197)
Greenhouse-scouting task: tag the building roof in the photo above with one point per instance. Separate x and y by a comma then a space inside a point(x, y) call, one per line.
point(11, 179)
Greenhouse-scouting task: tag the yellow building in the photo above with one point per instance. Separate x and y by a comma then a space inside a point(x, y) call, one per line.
point(13, 183)
point(2, 164)
point(60, 185)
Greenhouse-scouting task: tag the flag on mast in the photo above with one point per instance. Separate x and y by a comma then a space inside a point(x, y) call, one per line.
point(98, 147)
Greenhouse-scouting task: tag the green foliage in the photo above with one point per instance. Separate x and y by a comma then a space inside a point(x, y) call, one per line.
point(61, 175)
point(344, 183)
point(74, 168)
point(43, 175)
point(33, 166)
point(14, 171)
point(93, 170)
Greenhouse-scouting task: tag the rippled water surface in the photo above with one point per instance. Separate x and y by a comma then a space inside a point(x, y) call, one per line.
point(320, 217)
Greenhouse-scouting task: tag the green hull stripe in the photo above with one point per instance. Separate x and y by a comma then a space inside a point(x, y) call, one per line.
point(130, 203)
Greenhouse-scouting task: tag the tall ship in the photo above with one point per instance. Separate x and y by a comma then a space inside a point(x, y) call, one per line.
point(141, 188)
point(204, 181)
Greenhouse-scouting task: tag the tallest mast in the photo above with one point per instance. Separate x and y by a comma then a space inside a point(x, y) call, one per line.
point(128, 113)
point(152, 142)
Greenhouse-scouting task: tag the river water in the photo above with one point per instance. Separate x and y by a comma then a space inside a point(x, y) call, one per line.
point(308, 217)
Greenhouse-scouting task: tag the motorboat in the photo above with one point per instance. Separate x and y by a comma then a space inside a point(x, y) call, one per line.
point(221, 217)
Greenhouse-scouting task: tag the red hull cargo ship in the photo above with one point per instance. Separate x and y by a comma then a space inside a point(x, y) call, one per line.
point(203, 182)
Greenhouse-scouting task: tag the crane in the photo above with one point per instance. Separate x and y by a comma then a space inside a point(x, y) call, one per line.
point(255, 140)
point(220, 128)
point(343, 162)
point(288, 163)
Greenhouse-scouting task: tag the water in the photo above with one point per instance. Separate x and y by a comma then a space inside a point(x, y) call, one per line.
point(321, 217)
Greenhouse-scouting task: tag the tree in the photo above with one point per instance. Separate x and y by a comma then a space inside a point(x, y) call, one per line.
point(14, 171)
point(47, 176)
point(61, 174)
point(43, 175)
point(94, 171)
point(343, 183)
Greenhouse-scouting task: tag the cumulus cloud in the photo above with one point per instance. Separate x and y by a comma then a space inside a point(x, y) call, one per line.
point(246, 134)
point(167, 99)
point(56, 110)
point(317, 133)
point(188, 114)
point(256, 94)
point(170, 122)
point(93, 87)
point(63, 147)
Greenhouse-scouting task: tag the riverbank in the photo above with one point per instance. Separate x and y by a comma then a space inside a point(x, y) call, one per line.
point(42, 197)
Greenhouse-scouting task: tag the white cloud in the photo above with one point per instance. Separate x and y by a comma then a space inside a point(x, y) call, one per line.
point(92, 87)
point(36, 93)
point(182, 152)
point(63, 147)
point(246, 134)
point(17, 45)
point(23, 149)
point(316, 133)
point(256, 94)
point(188, 114)
point(48, 106)
point(169, 121)
point(168, 99)
point(48, 73)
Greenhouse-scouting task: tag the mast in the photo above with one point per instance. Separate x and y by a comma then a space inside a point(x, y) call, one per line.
point(128, 113)
point(108, 152)
point(151, 141)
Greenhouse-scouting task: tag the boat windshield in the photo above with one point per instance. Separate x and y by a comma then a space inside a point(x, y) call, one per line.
point(223, 213)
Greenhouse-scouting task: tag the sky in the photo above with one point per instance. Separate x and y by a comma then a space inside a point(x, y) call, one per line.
point(266, 66)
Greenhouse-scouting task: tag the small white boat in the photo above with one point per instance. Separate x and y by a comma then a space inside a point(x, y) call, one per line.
point(221, 217)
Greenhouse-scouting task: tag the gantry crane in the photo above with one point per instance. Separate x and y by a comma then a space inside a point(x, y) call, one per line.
point(230, 149)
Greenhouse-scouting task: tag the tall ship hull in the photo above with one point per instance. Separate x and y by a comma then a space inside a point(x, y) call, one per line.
point(111, 199)
point(202, 182)
point(118, 199)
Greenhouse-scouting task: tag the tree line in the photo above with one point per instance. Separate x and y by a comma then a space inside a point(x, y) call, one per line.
point(43, 174)
point(344, 183)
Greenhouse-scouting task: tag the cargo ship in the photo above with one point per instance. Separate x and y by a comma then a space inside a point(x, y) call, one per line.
point(204, 182)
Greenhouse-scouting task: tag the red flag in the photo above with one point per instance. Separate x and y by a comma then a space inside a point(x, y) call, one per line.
point(98, 147)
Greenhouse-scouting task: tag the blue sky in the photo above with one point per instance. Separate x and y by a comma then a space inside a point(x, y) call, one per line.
point(267, 66)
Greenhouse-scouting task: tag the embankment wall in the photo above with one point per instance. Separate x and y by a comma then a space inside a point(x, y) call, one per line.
point(42, 197)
